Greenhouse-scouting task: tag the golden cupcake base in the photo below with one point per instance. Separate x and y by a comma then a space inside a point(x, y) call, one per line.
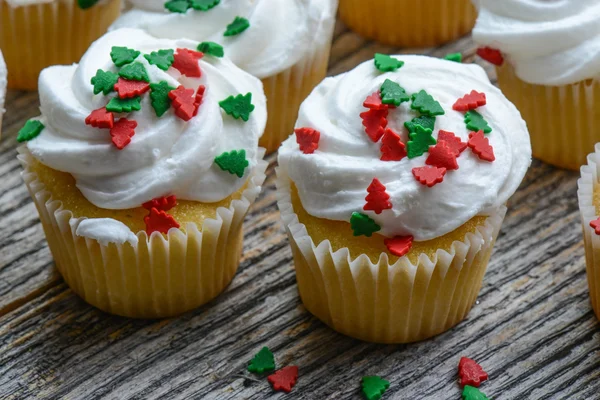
point(409, 23)
point(33, 37)
point(161, 275)
point(360, 291)
point(563, 120)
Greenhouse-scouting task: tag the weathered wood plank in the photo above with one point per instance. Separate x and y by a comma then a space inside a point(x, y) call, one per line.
point(533, 328)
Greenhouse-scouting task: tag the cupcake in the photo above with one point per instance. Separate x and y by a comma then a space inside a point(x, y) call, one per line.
point(548, 62)
point(392, 191)
point(142, 166)
point(589, 206)
point(3, 74)
point(409, 23)
point(285, 43)
point(37, 33)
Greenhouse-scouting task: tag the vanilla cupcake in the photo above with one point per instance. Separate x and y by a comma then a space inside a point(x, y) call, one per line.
point(285, 43)
point(409, 23)
point(142, 165)
point(548, 63)
point(35, 34)
point(3, 75)
point(393, 189)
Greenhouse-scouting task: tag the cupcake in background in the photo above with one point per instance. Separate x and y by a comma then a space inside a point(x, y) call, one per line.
point(589, 207)
point(392, 191)
point(547, 56)
point(142, 165)
point(3, 77)
point(35, 34)
point(285, 43)
point(409, 23)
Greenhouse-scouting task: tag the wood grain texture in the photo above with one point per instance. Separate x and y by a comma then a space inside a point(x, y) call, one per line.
point(533, 328)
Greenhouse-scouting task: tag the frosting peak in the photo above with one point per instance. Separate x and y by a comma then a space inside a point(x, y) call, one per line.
point(332, 182)
point(281, 32)
point(167, 155)
point(549, 42)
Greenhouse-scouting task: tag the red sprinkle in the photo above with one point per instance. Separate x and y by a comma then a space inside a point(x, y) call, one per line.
point(373, 102)
point(452, 141)
point(480, 145)
point(470, 373)
point(186, 61)
point(199, 98)
point(377, 199)
point(374, 121)
point(284, 379)
point(308, 139)
point(443, 156)
point(122, 132)
point(127, 89)
point(161, 203)
point(470, 101)
point(596, 225)
point(184, 102)
point(101, 118)
point(400, 245)
point(429, 176)
point(491, 55)
point(159, 221)
point(392, 148)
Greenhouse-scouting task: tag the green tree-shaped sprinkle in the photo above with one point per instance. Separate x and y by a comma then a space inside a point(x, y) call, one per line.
point(204, 5)
point(178, 6)
point(238, 26)
point(263, 361)
point(475, 122)
point(426, 104)
point(363, 225)
point(104, 81)
point(134, 72)
point(161, 58)
point(472, 393)
point(211, 48)
point(122, 55)
point(374, 387)
point(159, 97)
point(30, 131)
point(239, 106)
point(392, 93)
point(385, 63)
point(419, 142)
point(233, 162)
point(124, 105)
point(424, 120)
point(456, 57)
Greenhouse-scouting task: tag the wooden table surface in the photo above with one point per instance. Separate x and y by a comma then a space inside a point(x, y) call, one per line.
point(532, 328)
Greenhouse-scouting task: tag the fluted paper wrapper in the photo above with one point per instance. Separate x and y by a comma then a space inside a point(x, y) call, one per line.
point(590, 178)
point(35, 36)
point(157, 277)
point(383, 302)
point(409, 23)
point(287, 90)
point(562, 120)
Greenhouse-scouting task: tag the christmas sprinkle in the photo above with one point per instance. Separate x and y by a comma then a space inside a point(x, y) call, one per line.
point(385, 63)
point(470, 101)
point(127, 89)
point(212, 49)
point(443, 156)
point(263, 361)
point(239, 106)
point(400, 245)
point(134, 72)
point(186, 62)
point(284, 379)
point(159, 221)
point(596, 225)
point(123, 55)
point(471, 393)
point(373, 102)
point(183, 101)
point(234, 162)
point(480, 145)
point(392, 93)
point(238, 26)
point(363, 225)
point(119, 105)
point(392, 148)
point(104, 81)
point(177, 6)
point(475, 122)
point(204, 5)
point(452, 141)
point(101, 118)
point(419, 142)
point(374, 122)
point(470, 373)
point(161, 203)
point(426, 104)
point(491, 55)
point(30, 131)
point(373, 387)
point(456, 57)
point(307, 139)
point(122, 132)
point(424, 121)
point(163, 59)
point(377, 199)
point(428, 175)
point(199, 98)
point(159, 97)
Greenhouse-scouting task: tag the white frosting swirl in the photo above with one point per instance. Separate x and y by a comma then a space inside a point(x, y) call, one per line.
point(332, 182)
point(281, 32)
point(167, 155)
point(549, 42)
